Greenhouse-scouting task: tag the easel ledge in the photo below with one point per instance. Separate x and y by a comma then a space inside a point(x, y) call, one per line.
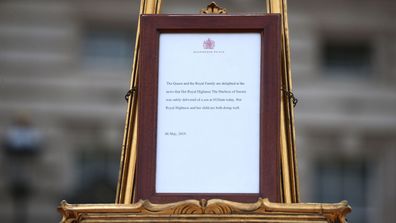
point(215, 210)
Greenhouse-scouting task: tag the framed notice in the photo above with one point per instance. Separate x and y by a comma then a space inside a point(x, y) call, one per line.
point(208, 108)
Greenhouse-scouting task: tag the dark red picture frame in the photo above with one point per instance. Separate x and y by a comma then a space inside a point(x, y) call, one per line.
point(151, 28)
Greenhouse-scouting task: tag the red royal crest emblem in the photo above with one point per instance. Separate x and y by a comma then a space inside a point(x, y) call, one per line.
point(208, 44)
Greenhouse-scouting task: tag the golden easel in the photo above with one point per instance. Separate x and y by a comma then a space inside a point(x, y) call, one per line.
point(216, 210)
point(289, 184)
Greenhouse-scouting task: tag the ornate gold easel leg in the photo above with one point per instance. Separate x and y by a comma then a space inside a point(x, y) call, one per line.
point(126, 181)
point(290, 190)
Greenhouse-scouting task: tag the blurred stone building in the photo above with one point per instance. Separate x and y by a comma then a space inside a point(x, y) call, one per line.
point(66, 65)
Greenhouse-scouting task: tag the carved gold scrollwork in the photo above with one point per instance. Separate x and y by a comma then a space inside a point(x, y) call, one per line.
point(213, 8)
point(203, 211)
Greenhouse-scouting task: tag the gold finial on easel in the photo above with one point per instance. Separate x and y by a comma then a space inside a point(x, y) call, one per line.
point(213, 8)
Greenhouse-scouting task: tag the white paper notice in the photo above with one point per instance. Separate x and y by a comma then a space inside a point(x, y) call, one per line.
point(208, 113)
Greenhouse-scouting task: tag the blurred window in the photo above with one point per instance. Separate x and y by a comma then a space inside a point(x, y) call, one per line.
point(97, 175)
point(344, 180)
point(107, 49)
point(347, 58)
